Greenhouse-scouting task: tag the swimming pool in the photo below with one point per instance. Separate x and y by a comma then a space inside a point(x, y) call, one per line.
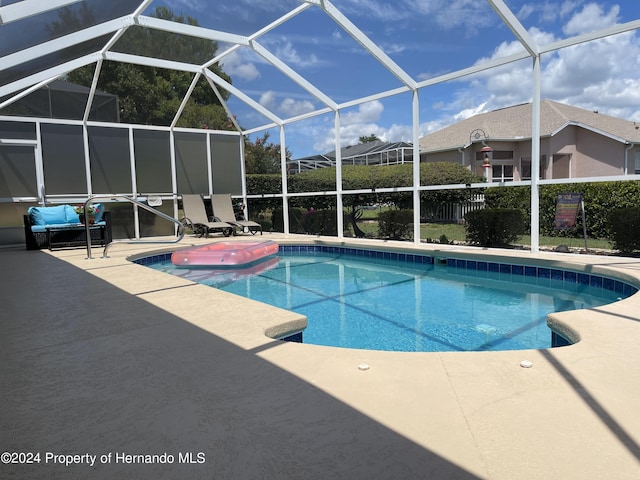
point(369, 299)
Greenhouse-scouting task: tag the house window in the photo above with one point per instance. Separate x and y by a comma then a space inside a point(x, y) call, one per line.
point(501, 165)
point(637, 170)
point(525, 167)
point(501, 173)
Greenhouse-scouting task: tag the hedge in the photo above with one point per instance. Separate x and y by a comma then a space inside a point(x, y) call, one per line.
point(624, 228)
point(359, 177)
point(395, 224)
point(599, 199)
point(315, 222)
point(494, 227)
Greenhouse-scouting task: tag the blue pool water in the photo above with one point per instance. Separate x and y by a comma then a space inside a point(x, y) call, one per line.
point(410, 304)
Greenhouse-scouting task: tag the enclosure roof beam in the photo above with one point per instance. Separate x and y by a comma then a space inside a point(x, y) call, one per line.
point(293, 75)
point(67, 41)
point(515, 26)
point(588, 37)
point(192, 30)
point(496, 62)
point(49, 74)
point(242, 96)
point(367, 44)
point(152, 62)
point(30, 8)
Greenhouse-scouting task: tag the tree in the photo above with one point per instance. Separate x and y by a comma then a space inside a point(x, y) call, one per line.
point(150, 95)
point(263, 156)
point(368, 138)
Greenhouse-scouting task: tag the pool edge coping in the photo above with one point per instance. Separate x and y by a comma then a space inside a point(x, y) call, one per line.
point(565, 324)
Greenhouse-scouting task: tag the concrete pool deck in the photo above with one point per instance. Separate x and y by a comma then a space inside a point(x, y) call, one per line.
point(111, 359)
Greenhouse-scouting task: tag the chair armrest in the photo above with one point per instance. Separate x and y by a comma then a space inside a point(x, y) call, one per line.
point(108, 236)
point(30, 239)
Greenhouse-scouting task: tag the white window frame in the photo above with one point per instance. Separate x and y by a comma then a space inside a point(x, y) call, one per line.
point(502, 177)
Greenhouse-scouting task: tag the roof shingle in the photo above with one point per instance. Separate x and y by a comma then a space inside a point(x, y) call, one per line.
point(515, 123)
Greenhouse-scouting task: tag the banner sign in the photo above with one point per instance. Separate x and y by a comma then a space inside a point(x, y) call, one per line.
point(567, 206)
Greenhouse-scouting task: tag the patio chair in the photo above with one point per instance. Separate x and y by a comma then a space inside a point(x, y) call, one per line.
point(223, 211)
point(196, 218)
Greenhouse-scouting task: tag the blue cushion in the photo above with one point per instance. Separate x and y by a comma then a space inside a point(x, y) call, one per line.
point(43, 228)
point(72, 216)
point(47, 215)
point(99, 211)
point(34, 216)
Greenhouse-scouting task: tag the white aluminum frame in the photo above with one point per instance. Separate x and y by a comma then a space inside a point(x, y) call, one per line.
point(118, 26)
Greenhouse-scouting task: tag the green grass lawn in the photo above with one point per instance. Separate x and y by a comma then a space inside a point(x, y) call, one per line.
point(456, 233)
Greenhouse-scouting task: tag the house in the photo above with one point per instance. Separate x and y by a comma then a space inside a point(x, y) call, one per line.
point(574, 143)
point(368, 153)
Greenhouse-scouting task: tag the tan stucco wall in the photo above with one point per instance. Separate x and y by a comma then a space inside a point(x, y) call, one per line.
point(451, 156)
point(589, 154)
point(597, 155)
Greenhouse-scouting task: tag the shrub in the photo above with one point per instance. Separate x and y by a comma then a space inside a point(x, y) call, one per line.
point(263, 183)
point(295, 220)
point(395, 224)
point(314, 222)
point(323, 222)
point(493, 227)
point(360, 177)
point(624, 228)
point(599, 199)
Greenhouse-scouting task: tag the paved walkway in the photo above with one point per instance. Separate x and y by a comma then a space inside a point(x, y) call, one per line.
point(111, 361)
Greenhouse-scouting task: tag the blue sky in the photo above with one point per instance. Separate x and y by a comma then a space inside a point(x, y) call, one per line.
point(426, 38)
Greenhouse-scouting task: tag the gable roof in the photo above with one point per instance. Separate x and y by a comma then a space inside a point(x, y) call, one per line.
point(514, 123)
point(360, 151)
point(367, 148)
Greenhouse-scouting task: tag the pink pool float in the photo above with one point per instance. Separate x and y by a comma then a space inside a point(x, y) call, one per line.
point(223, 276)
point(225, 254)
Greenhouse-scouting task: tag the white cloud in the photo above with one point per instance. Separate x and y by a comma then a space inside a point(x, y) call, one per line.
point(380, 10)
point(568, 7)
point(268, 100)
point(367, 112)
point(238, 67)
point(366, 120)
point(248, 10)
point(286, 52)
point(289, 107)
point(548, 11)
point(472, 15)
point(394, 48)
point(602, 73)
point(196, 5)
point(526, 11)
point(353, 125)
point(470, 112)
point(591, 18)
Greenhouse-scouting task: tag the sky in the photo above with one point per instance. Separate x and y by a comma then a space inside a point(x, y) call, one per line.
point(425, 39)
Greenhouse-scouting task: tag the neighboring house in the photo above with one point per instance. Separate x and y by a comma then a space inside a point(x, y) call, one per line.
point(370, 153)
point(573, 143)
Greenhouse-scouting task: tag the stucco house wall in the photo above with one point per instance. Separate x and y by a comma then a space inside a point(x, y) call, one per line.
point(451, 156)
point(574, 142)
point(597, 155)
